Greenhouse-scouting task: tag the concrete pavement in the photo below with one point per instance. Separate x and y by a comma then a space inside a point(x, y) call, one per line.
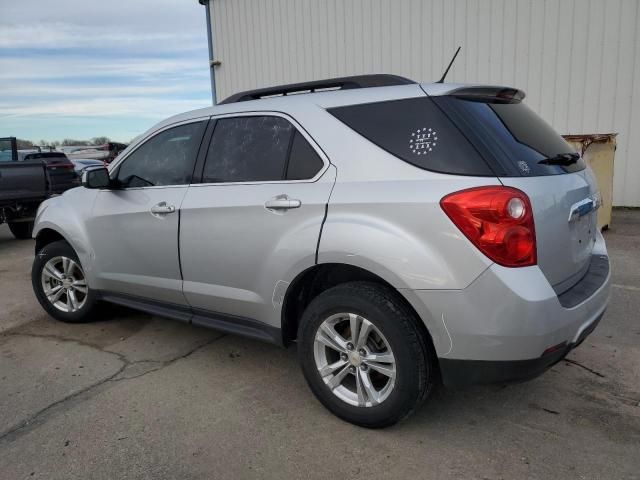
point(136, 396)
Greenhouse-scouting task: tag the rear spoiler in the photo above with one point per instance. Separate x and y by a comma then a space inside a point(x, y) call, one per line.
point(489, 94)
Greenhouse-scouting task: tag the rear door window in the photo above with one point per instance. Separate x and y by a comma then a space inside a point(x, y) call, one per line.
point(248, 149)
point(416, 131)
point(510, 135)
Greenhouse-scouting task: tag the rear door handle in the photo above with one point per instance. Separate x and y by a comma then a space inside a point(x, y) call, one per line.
point(162, 209)
point(282, 202)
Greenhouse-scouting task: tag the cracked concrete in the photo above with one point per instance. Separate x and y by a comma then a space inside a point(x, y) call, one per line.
point(135, 396)
point(94, 365)
point(30, 386)
point(590, 370)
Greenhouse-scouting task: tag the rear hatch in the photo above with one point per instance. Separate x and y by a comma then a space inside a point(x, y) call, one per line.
point(526, 153)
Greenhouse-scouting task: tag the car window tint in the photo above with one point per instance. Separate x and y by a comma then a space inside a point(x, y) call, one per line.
point(248, 149)
point(416, 131)
point(304, 162)
point(165, 159)
point(511, 135)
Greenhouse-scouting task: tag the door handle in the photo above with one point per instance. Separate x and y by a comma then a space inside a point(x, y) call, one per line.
point(162, 209)
point(282, 202)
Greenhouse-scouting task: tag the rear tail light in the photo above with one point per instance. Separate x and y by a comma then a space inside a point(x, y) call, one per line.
point(498, 220)
point(60, 166)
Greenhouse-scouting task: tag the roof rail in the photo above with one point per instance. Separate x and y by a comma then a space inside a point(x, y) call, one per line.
point(342, 83)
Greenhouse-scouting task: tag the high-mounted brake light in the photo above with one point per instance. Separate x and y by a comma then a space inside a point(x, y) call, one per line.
point(498, 220)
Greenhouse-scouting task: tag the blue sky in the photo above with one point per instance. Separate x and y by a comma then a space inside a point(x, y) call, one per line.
point(82, 69)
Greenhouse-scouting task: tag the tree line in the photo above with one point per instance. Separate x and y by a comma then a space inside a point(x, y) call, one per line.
point(26, 144)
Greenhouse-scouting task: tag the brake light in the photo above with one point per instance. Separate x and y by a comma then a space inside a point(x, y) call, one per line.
point(498, 220)
point(60, 166)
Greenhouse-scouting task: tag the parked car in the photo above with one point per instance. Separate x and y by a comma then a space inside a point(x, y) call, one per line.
point(106, 152)
point(61, 173)
point(23, 185)
point(81, 164)
point(401, 234)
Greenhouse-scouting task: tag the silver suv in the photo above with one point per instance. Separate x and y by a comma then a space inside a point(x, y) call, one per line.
point(402, 234)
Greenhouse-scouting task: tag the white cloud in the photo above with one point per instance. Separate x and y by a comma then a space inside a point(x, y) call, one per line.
point(70, 35)
point(140, 107)
point(87, 60)
point(26, 89)
point(133, 16)
point(73, 67)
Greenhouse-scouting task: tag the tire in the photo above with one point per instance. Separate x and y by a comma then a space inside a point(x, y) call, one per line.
point(395, 328)
point(69, 277)
point(21, 230)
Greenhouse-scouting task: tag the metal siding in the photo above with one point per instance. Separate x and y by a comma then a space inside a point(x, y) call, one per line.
point(578, 60)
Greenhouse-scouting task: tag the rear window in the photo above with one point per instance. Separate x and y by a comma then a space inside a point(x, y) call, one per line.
point(7, 149)
point(416, 131)
point(46, 156)
point(510, 136)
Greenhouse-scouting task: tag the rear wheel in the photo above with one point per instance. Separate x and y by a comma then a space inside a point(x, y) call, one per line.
point(21, 230)
point(364, 356)
point(60, 284)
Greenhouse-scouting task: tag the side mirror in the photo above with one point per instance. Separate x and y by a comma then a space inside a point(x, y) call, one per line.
point(97, 177)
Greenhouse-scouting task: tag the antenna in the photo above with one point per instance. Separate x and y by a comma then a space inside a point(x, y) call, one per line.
point(450, 63)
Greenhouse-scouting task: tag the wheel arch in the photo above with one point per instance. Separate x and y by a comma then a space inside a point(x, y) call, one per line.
point(320, 277)
point(48, 235)
point(47, 232)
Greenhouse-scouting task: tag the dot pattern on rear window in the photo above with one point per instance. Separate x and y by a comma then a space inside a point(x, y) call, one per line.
point(423, 141)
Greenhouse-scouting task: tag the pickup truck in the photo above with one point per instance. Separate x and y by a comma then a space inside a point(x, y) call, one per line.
point(26, 179)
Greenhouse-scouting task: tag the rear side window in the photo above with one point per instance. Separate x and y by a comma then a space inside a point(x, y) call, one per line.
point(304, 162)
point(510, 135)
point(416, 131)
point(248, 149)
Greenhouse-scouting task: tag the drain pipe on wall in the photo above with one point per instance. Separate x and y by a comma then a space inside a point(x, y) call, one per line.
point(212, 63)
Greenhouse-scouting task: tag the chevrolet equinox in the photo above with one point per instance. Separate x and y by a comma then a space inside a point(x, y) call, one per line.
point(403, 235)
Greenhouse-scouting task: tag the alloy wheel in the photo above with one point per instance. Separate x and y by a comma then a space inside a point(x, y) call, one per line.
point(64, 284)
point(354, 360)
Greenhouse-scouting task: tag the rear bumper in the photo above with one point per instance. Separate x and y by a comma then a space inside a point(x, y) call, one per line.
point(460, 373)
point(499, 327)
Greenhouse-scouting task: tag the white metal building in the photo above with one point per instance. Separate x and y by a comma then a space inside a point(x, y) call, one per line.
point(577, 60)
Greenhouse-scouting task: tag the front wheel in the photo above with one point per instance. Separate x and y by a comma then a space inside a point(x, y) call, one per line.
point(60, 284)
point(364, 356)
point(21, 230)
